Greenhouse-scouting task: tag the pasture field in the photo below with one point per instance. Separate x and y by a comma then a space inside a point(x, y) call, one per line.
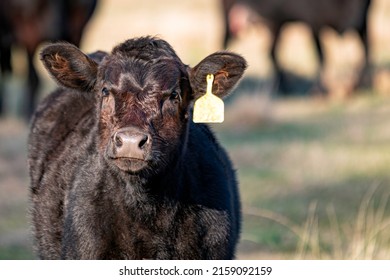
point(314, 177)
point(314, 172)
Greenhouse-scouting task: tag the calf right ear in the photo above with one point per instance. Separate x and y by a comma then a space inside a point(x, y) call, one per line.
point(69, 66)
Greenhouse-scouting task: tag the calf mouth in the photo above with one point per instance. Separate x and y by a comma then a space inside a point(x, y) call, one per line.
point(132, 165)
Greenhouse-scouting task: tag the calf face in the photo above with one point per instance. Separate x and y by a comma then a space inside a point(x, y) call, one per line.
point(144, 95)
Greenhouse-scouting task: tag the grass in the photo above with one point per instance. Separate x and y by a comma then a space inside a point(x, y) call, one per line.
point(314, 178)
point(365, 238)
point(15, 252)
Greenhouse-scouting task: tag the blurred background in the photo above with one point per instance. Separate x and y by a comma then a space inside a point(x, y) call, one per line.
point(310, 140)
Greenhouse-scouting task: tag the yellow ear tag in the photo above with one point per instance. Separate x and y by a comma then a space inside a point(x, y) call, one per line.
point(208, 108)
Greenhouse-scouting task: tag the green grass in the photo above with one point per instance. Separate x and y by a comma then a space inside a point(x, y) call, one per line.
point(16, 252)
point(14, 225)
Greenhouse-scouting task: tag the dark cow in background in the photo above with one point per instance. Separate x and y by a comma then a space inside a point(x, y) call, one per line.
point(28, 23)
point(341, 15)
point(118, 168)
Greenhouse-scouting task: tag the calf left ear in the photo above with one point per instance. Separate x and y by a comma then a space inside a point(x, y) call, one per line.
point(227, 69)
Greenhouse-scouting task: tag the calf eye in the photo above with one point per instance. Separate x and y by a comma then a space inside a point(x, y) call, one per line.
point(105, 92)
point(175, 96)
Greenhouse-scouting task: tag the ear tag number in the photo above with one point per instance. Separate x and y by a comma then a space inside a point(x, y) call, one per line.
point(209, 108)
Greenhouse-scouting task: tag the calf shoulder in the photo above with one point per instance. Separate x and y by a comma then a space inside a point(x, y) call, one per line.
point(59, 129)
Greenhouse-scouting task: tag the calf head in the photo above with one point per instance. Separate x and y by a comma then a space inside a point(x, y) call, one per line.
point(144, 95)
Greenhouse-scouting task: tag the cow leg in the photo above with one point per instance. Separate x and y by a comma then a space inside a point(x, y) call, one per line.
point(227, 35)
point(33, 84)
point(1, 98)
point(365, 76)
point(279, 79)
point(5, 59)
point(6, 67)
point(318, 85)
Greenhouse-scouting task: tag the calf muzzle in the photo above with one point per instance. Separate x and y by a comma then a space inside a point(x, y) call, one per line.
point(131, 143)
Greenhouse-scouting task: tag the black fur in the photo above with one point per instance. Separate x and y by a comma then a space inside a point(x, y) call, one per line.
point(182, 203)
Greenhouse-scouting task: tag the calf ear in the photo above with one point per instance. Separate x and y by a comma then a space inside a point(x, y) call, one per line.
point(227, 69)
point(69, 66)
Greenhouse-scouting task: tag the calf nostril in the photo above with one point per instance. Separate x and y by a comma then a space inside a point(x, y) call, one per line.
point(143, 142)
point(118, 141)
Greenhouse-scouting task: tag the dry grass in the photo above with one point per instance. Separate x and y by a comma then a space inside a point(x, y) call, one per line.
point(365, 238)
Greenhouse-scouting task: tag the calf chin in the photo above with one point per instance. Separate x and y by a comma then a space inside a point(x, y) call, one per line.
point(130, 165)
